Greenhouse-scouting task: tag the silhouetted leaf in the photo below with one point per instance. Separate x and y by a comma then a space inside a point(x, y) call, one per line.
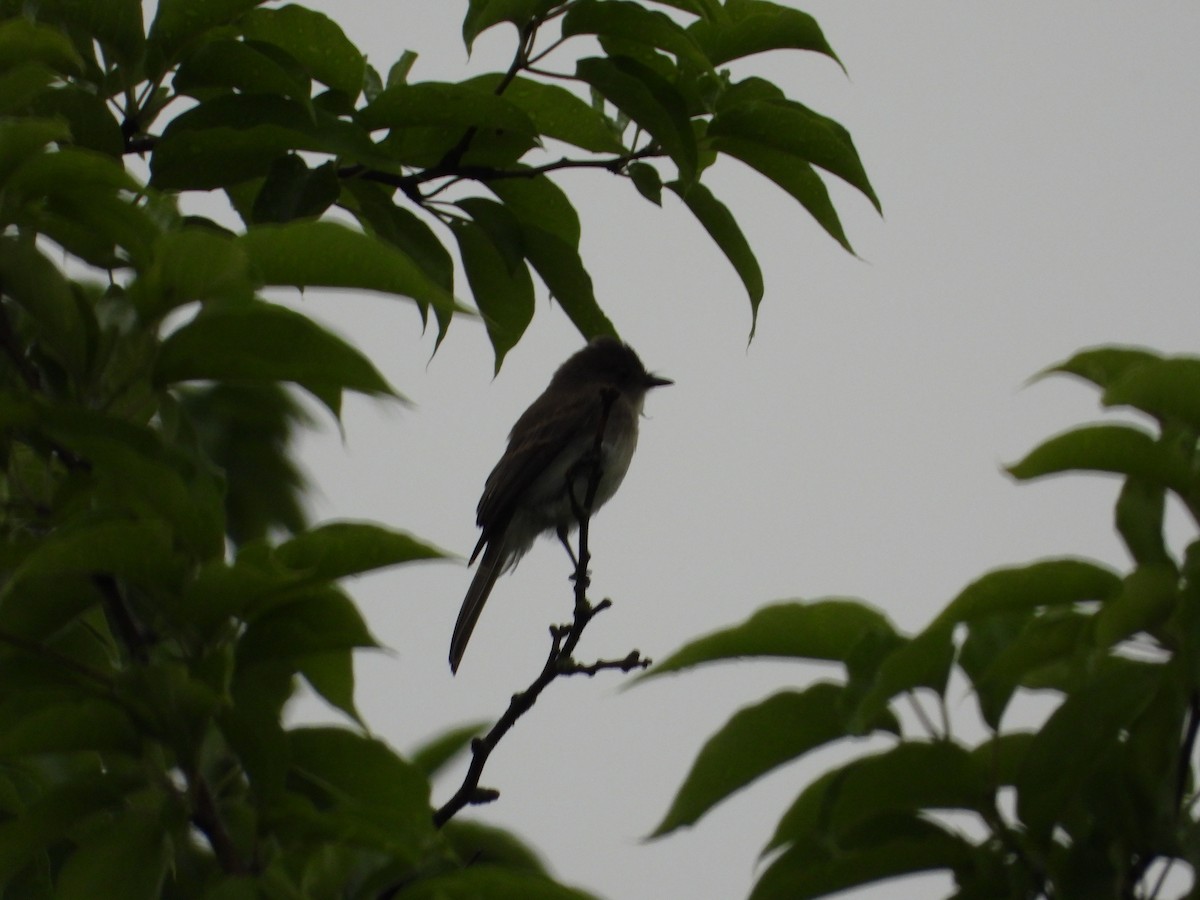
point(756, 26)
point(313, 39)
point(1055, 582)
point(1119, 449)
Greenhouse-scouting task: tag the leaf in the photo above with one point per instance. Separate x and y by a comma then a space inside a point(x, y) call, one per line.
point(129, 858)
point(178, 22)
point(718, 221)
point(88, 725)
point(37, 285)
point(555, 113)
point(444, 103)
point(1119, 449)
point(504, 295)
point(822, 629)
point(1055, 582)
point(331, 674)
point(1168, 389)
point(314, 40)
point(494, 883)
point(1101, 365)
point(1140, 513)
point(265, 342)
point(403, 229)
point(650, 101)
point(483, 14)
point(433, 755)
point(923, 661)
point(561, 268)
point(362, 788)
point(326, 254)
point(756, 740)
point(793, 128)
point(249, 67)
point(491, 847)
point(189, 265)
point(630, 21)
point(23, 41)
point(794, 175)
point(116, 24)
point(539, 202)
point(336, 549)
point(293, 191)
point(912, 777)
point(21, 139)
point(647, 181)
point(93, 125)
point(914, 845)
point(324, 621)
point(1077, 737)
point(757, 26)
point(1148, 597)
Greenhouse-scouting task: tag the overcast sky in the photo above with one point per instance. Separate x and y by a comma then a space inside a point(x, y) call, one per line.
point(1037, 169)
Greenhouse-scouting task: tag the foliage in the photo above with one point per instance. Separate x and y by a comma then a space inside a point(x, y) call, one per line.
point(1083, 806)
point(160, 590)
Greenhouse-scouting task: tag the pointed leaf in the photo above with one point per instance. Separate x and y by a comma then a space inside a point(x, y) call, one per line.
point(1056, 582)
point(326, 254)
point(633, 22)
point(923, 661)
point(323, 622)
point(504, 294)
point(718, 221)
point(1168, 389)
point(1101, 365)
point(129, 858)
point(1148, 597)
point(556, 113)
point(821, 629)
point(483, 14)
point(756, 740)
point(650, 101)
point(432, 756)
point(336, 549)
point(314, 40)
point(1120, 449)
point(445, 103)
point(755, 27)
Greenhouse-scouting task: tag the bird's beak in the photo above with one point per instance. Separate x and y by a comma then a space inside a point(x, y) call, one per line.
point(653, 381)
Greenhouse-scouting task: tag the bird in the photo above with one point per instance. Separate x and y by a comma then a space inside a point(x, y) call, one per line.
point(550, 458)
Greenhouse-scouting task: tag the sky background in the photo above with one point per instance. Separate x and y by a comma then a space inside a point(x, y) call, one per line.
point(1037, 169)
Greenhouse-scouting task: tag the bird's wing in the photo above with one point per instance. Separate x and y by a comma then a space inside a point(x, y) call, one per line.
point(547, 428)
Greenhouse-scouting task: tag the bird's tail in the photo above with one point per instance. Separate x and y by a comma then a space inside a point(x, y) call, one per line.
point(490, 567)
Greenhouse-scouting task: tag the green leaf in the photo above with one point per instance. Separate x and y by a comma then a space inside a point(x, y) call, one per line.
point(494, 883)
point(116, 24)
point(822, 629)
point(483, 14)
point(331, 674)
point(718, 221)
point(265, 342)
point(923, 661)
point(504, 294)
point(336, 549)
point(37, 285)
point(188, 265)
point(179, 22)
point(1076, 739)
point(24, 41)
point(433, 755)
point(442, 103)
point(556, 113)
point(314, 40)
point(91, 724)
point(1141, 508)
point(488, 846)
point(794, 129)
point(539, 202)
point(649, 100)
point(911, 777)
point(1168, 389)
point(293, 191)
point(757, 26)
point(326, 254)
point(21, 139)
point(129, 858)
point(913, 845)
point(1055, 582)
point(249, 67)
point(1148, 597)
point(1003, 653)
point(1120, 449)
point(1101, 365)
point(325, 621)
point(22, 86)
point(561, 268)
point(647, 181)
point(633, 22)
point(93, 125)
point(402, 229)
point(794, 175)
point(756, 740)
point(362, 788)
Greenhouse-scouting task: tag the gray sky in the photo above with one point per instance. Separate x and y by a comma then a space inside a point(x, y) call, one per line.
point(1036, 164)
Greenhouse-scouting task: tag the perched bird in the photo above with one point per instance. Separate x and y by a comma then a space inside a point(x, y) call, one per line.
point(550, 453)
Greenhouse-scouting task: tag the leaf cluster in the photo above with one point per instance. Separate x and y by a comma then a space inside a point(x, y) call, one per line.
point(162, 595)
point(1083, 806)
